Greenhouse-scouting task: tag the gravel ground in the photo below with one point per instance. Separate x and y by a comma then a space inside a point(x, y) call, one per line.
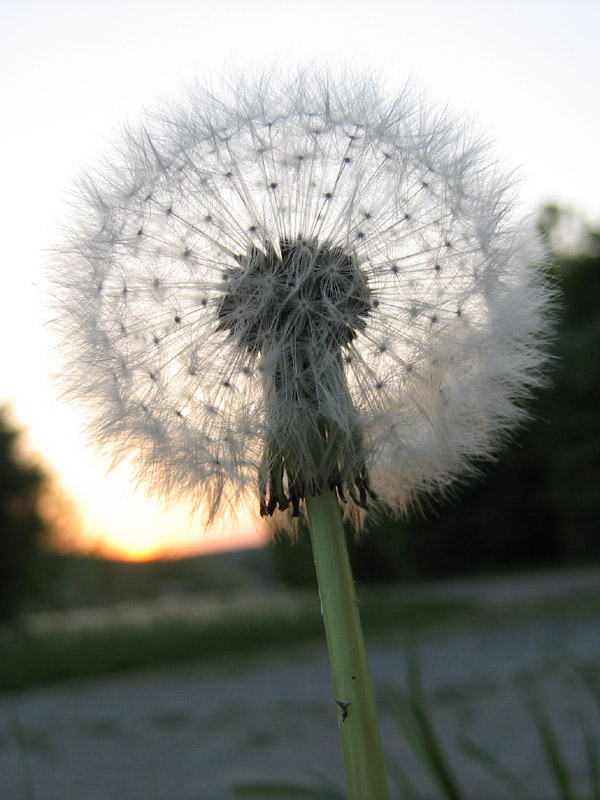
point(189, 733)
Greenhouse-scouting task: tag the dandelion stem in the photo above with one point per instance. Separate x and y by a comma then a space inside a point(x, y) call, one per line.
point(357, 716)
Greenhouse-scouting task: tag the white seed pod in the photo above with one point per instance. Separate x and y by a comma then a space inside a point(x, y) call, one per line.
point(300, 283)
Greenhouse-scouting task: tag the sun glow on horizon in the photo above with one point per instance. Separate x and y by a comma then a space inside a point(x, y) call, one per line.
point(137, 548)
point(144, 531)
point(105, 513)
point(125, 524)
point(102, 510)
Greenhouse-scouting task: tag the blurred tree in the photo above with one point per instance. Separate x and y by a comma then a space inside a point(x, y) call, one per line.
point(574, 470)
point(21, 526)
point(539, 504)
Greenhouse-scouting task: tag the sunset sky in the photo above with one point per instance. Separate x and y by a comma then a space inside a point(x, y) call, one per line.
point(528, 74)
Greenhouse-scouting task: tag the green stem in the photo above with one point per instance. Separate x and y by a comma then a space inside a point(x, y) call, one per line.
point(357, 717)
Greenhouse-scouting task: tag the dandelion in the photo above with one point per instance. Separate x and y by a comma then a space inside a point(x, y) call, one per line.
point(309, 292)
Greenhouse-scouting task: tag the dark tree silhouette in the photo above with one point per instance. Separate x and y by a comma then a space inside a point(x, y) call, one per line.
point(21, 525)
point(539, 505)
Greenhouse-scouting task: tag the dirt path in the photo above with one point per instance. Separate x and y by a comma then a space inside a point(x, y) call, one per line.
point(188, 733)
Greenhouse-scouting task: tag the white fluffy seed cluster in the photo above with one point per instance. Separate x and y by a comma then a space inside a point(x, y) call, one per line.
point(296, 283)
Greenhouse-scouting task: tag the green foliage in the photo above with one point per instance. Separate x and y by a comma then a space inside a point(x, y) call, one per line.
point(108, 644)
point(573, 479)
point(21, 526)
point(539, 505)
point(75, 579)
point(410, 713)
point(412, 716)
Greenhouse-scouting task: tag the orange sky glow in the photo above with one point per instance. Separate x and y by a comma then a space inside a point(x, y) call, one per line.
point(107, 514)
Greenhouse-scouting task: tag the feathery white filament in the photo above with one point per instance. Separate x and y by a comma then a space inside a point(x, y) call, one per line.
point(403, 329)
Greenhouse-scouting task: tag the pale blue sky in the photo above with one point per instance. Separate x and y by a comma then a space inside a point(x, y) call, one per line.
point(527, 72)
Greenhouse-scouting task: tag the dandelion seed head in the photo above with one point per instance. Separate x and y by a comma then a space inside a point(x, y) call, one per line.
point(300, 283)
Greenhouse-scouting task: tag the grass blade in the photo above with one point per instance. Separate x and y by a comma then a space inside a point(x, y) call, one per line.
point(590, 677)
point(400, 778)
point(289, 791)
point(592, 751)
point(412, 717)
point(491, 764)
point(23, 749)
point(554, 757)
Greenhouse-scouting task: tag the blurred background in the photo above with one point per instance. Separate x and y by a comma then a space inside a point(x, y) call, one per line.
point(537, 506)
point(74, 540)
point(74, 72)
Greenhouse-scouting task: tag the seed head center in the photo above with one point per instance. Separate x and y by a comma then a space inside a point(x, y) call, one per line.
point(301, 291)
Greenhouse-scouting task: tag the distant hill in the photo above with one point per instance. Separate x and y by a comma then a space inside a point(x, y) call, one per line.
point(70, 580)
